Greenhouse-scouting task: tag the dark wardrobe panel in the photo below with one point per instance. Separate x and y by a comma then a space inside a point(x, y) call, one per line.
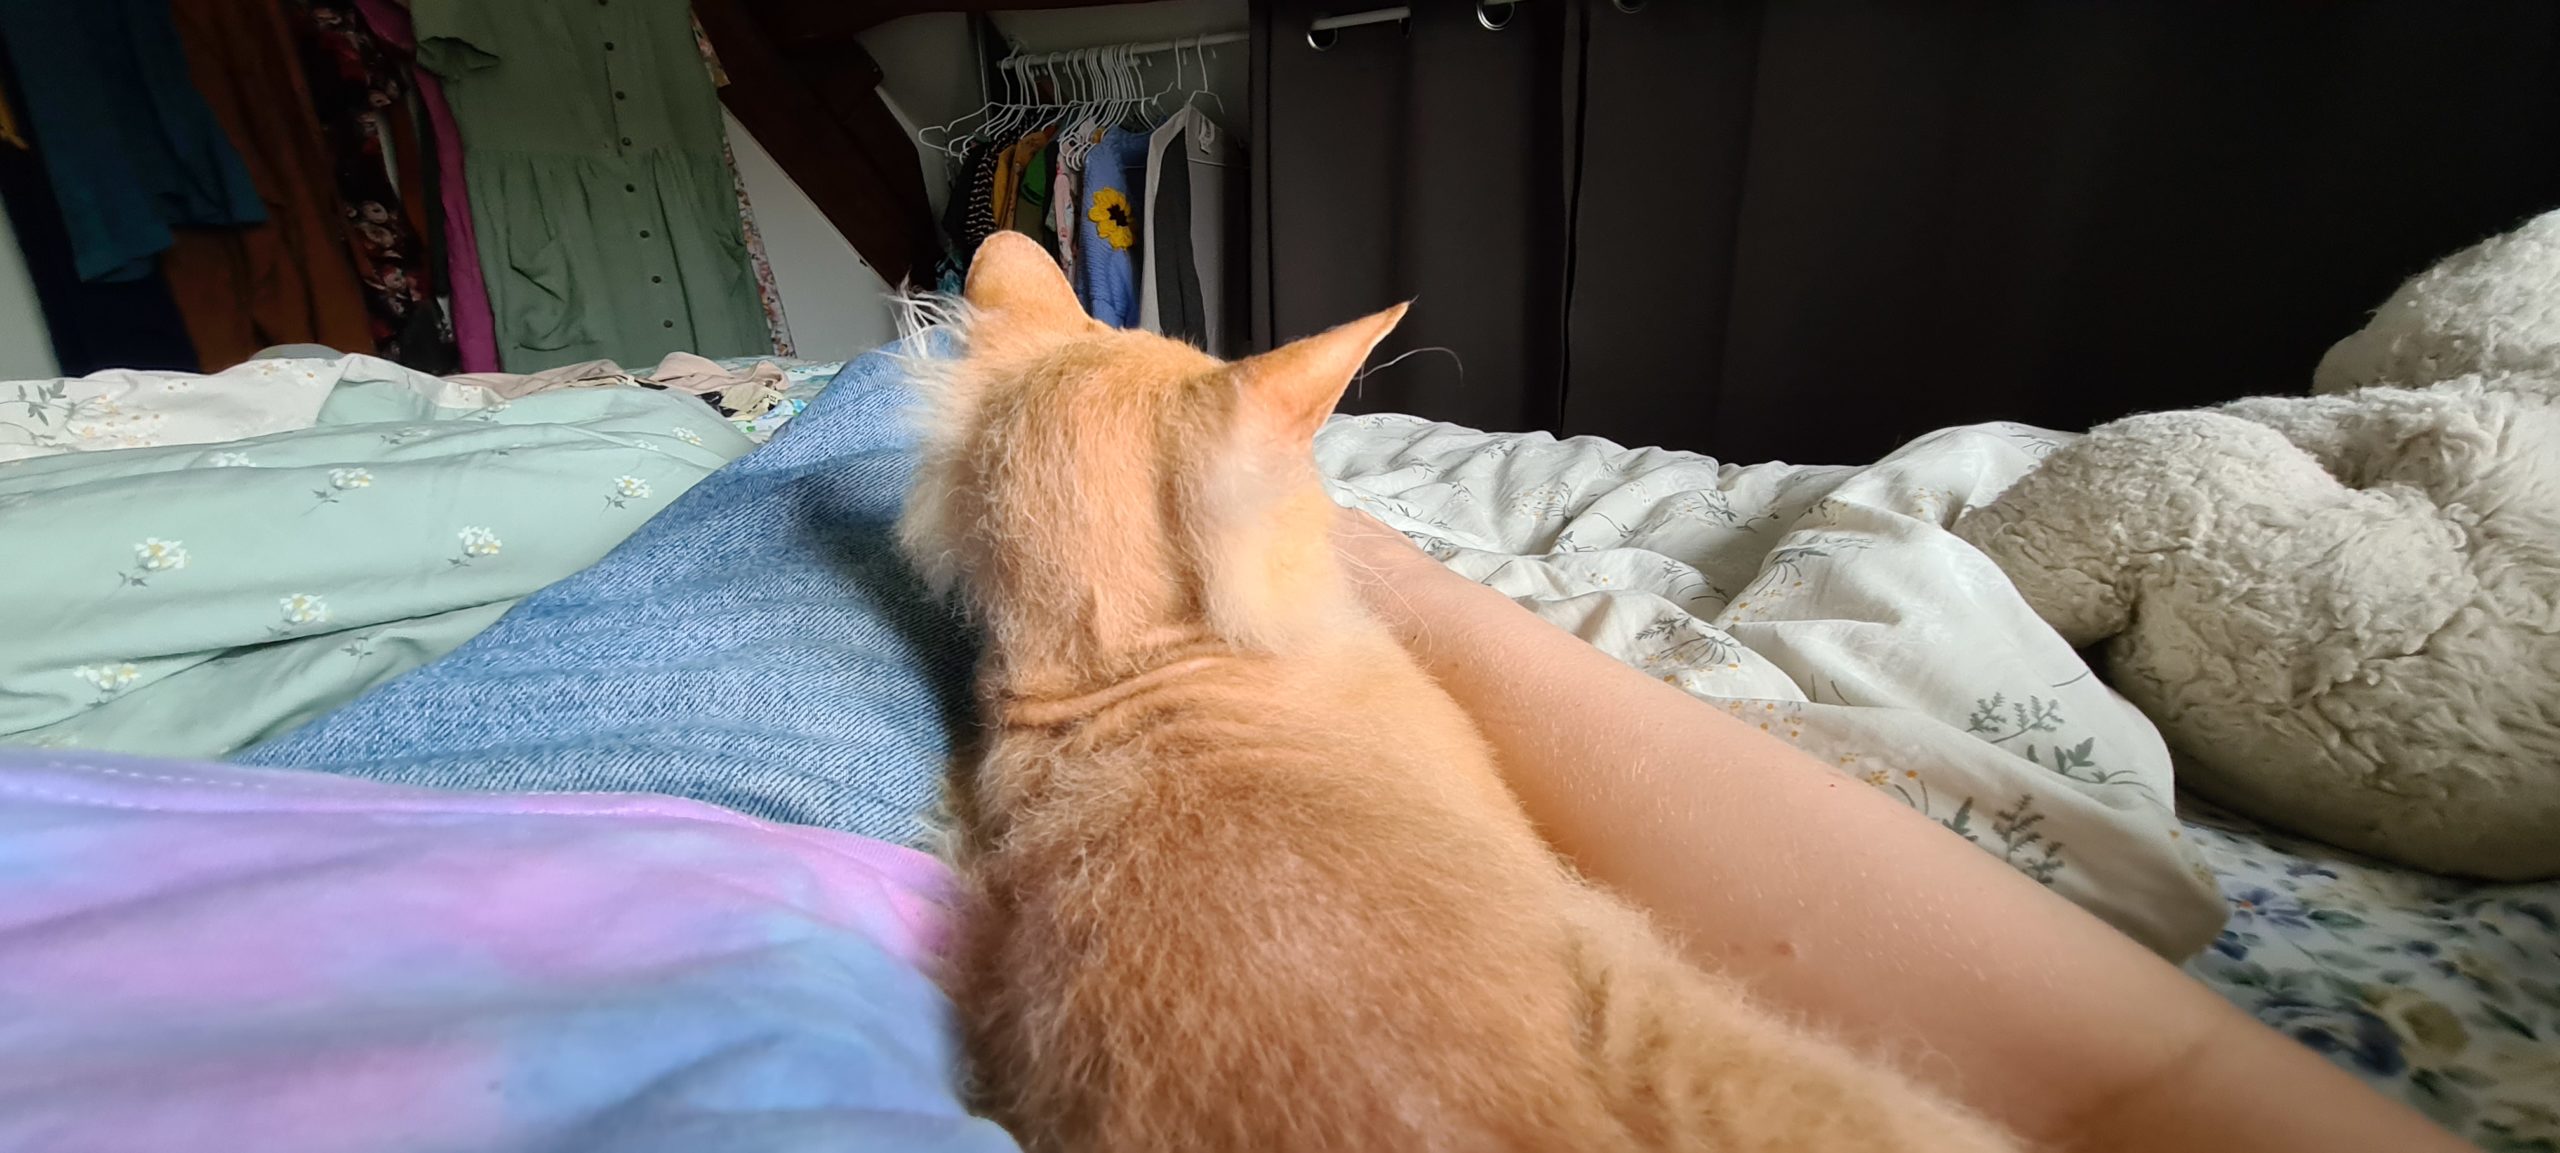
point(1420, 161)
point(2061, 213)
point(1665, 123)
point(1811, 229)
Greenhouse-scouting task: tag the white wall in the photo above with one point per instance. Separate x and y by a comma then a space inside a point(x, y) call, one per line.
point(26, 353)
point(838, 307)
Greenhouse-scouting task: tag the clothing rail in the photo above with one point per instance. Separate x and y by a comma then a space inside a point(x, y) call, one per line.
point(1150, 48)
point(1213, 39)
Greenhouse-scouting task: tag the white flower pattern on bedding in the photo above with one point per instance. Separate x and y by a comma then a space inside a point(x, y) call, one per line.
point(1832, 607)
point(477, 543)
point(187, 618)
point(304, 608)
point(626, 489)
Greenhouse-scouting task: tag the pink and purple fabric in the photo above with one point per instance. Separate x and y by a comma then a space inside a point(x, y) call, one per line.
point(205, 956)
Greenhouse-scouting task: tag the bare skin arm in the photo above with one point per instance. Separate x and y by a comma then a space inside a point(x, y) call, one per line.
point(1839, 904)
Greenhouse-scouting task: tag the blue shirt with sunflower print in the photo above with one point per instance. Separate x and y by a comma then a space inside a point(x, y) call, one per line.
point(1107, 237)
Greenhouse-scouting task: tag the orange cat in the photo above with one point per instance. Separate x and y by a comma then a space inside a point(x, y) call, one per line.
point(1246, 878)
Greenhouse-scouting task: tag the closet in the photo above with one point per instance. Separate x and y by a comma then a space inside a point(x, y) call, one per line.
point(1812, 229)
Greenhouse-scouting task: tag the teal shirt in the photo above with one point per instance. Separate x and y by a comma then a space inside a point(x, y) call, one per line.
point(129, 145)
point(592, 148)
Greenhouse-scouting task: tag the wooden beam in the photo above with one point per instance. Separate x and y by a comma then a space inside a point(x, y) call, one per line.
point(867, 183)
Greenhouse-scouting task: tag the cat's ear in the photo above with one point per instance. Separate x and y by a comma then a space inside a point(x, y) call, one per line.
point(1294, 387)
point(1019, 295)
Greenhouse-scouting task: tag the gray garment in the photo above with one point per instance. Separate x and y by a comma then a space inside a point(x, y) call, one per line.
point(1205, 160)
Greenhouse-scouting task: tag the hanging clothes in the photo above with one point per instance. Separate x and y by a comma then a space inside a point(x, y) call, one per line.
point(129, 145)
point(977, 197)
point(1031, 193)
point(93, 324)
point(1115, 174)
point(10, 133)
point(768, 291)
point(1066, 180)
point(1000, 188)
point(608, 223)
point(289, 280)
point(475, 331)
point(1168, 284)
point(777, 325)
point(1016, 166)
point(1182, 280)
point(360, 91)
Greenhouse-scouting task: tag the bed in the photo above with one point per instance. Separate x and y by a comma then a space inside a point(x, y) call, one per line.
point(372, 554)
point(1831, 606)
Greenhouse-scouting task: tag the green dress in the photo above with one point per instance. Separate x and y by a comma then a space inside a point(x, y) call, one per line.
point(607, 222)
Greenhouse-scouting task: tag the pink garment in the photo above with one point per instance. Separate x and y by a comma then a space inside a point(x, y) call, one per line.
point(475, 328)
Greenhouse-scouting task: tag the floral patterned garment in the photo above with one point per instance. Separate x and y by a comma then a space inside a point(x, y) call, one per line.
point(360, 89)
point(2443, 993)
point(761, 265)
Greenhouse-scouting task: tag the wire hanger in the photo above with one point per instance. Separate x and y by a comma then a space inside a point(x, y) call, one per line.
point(1200, 46)
point(951, 146)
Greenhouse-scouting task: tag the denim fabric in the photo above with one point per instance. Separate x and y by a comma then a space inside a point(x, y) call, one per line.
point(757, 645)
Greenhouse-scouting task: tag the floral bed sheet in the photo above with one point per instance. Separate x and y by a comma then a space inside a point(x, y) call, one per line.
point(2443, 993)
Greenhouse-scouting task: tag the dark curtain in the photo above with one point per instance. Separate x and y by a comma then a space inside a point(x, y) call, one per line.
point(1422, 162)
point(1811, 229)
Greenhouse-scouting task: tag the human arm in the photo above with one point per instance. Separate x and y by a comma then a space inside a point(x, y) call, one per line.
point(1834, 902)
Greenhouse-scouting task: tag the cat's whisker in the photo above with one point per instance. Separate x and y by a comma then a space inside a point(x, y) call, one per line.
point(1362, 377)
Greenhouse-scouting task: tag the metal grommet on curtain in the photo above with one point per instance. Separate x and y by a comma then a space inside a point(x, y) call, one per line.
point(1628, 6)
point(1495, 15)
point(1320, 38)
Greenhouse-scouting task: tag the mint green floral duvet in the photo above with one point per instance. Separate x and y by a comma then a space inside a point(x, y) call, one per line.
point(190, 600)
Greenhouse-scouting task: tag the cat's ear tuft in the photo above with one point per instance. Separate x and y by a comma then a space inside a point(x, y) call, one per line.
point(1296, 385)
point(1019, 295)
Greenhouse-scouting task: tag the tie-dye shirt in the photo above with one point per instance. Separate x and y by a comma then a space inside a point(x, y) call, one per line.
point(214, 957)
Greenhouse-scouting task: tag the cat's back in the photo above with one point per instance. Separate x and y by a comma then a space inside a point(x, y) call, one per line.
point(1289, 905)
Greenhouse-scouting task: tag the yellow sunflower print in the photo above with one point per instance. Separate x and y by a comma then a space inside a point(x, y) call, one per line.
point(1112, 219)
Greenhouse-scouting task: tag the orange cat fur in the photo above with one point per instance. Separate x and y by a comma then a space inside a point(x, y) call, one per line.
point(1245, 878)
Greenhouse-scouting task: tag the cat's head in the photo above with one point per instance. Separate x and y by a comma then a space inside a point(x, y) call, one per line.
point(1094, 491)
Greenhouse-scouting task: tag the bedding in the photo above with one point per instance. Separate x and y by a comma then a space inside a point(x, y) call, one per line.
point(206, 956)
point(2442, 993)
point(192, 599)
point(132, 408)
point(758, 645)
point(803, 380)
point(1829, 606)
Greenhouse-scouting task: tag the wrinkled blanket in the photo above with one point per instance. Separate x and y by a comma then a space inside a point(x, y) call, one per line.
point(188, 600)
point(1829, 606)
point(758, 645)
